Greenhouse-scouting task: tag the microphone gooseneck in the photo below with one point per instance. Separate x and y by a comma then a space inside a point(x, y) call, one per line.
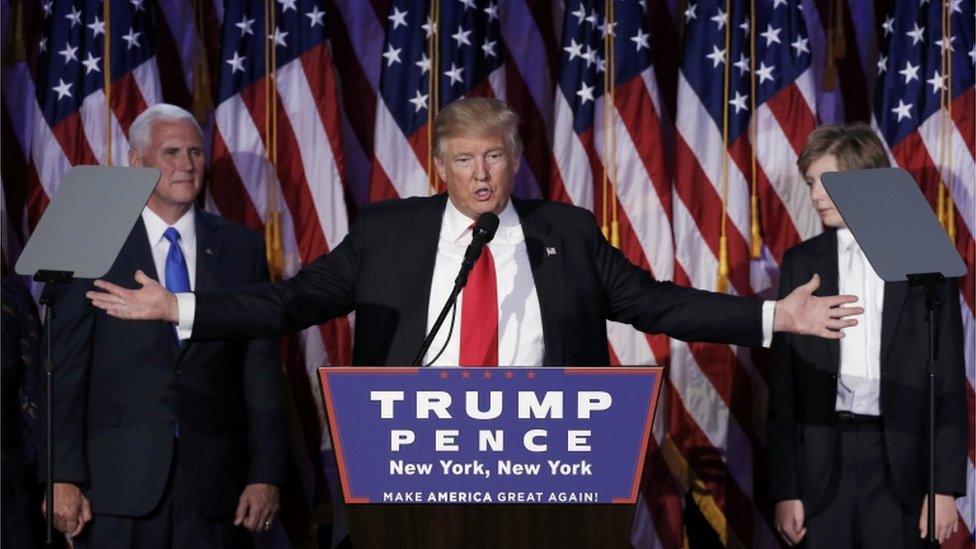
point(482, 233)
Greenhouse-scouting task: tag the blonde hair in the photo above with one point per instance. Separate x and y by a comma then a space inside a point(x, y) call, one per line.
point(477, 116)
point(855, 146)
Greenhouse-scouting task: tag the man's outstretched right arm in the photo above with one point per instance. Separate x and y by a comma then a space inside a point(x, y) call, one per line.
point(322, 290)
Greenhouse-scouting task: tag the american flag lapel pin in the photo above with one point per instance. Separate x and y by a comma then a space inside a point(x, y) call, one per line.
point(550, 251)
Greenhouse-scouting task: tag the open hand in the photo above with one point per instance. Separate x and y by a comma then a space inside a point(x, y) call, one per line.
point(803, 313)
point(150, 302)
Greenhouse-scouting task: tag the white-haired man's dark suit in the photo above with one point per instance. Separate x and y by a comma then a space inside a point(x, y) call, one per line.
point(146, 425)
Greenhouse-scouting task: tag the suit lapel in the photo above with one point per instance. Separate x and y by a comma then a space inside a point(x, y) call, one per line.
point(139, 255)
point(894, 302)
point(417, 249)
point(546, 258)
point(209, 241)
point(825, 264)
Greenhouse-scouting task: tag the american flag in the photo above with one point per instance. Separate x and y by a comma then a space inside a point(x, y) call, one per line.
point(745, 106)
point(610, 157)
point(77, 114)
point(337, 114)
point(277, 167)
point(460, 48)
point(404, 106)
point(924, 111)
point(64, 109)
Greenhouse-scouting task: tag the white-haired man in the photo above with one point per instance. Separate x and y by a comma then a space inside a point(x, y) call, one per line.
point(162, 443)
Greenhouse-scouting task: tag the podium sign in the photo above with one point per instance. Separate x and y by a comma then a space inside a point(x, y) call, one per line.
point(490, 435)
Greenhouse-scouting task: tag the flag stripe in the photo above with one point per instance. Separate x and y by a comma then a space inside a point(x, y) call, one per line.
point(228, 188)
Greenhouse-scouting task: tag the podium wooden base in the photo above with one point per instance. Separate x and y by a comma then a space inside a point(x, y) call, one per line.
point(476, 526)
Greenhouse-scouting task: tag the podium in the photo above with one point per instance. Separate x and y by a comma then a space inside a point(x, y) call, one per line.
point(489, 526)
point(490, 457)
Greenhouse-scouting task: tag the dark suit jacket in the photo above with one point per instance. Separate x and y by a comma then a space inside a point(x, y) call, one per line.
point(803, 391)
point(120, 385)
point(383, 271)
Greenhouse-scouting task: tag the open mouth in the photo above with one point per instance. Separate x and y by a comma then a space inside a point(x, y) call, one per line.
point(483, 194)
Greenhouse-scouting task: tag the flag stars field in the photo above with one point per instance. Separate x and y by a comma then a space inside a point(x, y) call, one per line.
point(97, 27)
point(316, 17)
point(245, 25)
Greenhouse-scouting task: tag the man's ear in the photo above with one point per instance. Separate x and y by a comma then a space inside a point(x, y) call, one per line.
point(134, 160)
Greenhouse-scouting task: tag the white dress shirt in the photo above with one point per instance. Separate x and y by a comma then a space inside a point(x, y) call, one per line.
point(186, 225)
point(858, 382)
point(520, 341)
point(155, 227)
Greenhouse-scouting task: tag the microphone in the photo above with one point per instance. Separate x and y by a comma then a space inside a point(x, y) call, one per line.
point(482, 233)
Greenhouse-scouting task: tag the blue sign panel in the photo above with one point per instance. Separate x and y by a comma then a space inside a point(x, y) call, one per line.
point(490, 435)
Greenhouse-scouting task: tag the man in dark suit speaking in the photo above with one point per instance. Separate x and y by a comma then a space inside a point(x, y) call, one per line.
point(162, 443)
point(539, 295)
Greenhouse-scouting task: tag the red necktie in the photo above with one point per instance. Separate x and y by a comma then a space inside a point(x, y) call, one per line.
point(479, 315)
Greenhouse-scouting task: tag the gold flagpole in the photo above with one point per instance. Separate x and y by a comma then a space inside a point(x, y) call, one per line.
point(433, 95)
point(274, 249)
point(610, 71)
point(755, 232)
point(107, 77)
point(722, 284)
point(944, 203)
point(608, 215)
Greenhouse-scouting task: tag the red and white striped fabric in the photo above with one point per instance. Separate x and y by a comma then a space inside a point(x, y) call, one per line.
point(611, 159)
point(57, 112)
point(731, 107)
point(277, 167)
point(70, 122)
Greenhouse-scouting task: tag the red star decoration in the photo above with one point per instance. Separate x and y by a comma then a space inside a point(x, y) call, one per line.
point(466, 374)
point(443, 374)
point(487, 374)
point(530, 375)
point(509, 374)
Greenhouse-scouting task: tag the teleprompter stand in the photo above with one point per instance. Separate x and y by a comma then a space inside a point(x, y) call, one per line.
point(79, 235)
point(903, 241)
